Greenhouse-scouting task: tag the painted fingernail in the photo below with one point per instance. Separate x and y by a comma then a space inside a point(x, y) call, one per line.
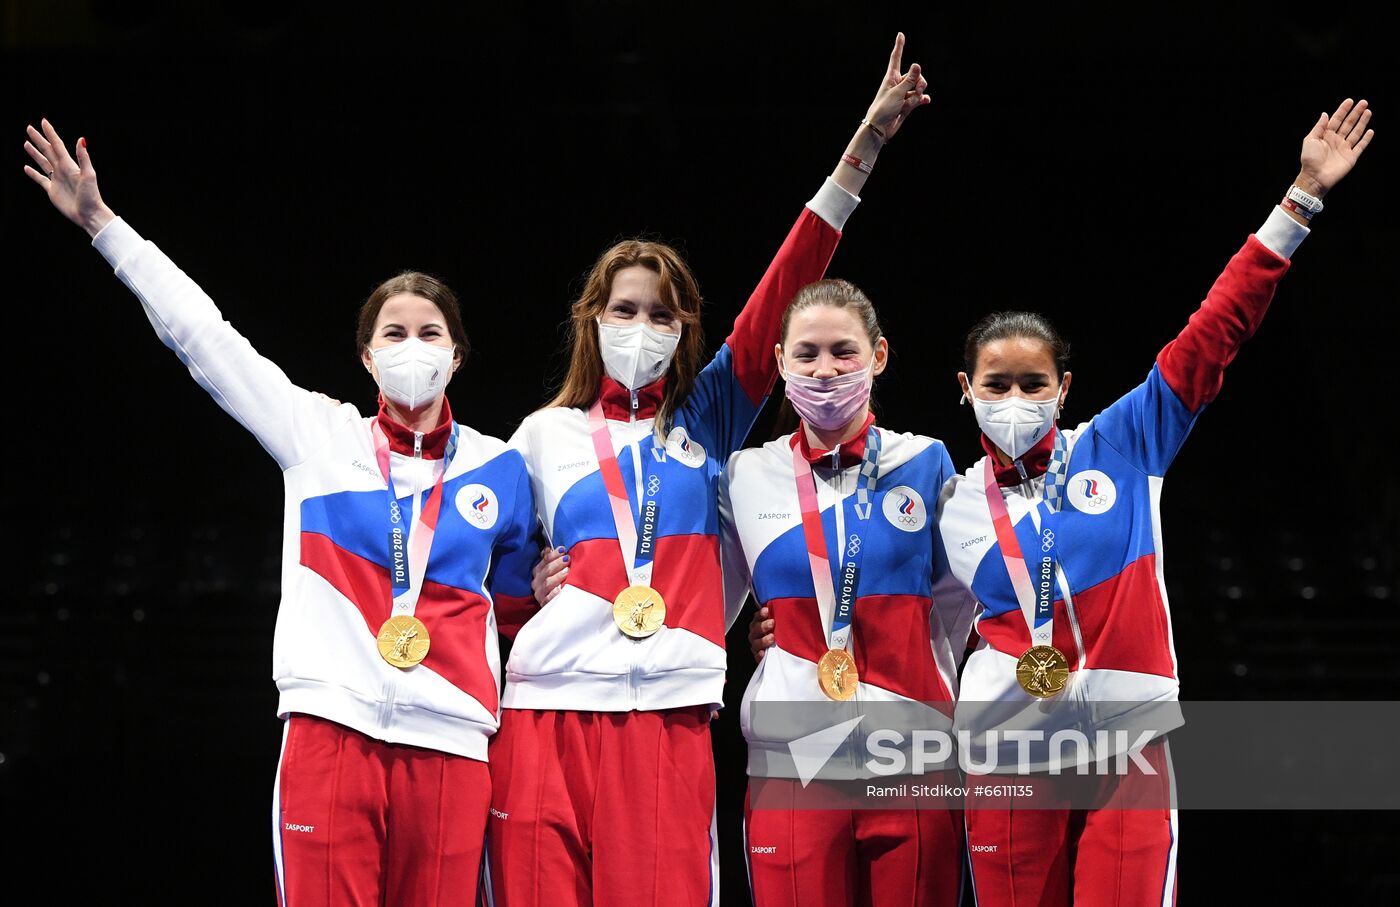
point(565, 558)
point(560, 549)
point(83, 142)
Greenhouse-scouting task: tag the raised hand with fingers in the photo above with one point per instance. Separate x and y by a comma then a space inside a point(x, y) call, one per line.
point(1331, 149)
point(548, 576)
point(900, 94)
point(71, 184)
point(761, 633)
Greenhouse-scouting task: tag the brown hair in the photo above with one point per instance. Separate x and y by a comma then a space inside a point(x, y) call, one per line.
point(413, 283)
point(679, 293)
point(839, 294)
point(1008, 325)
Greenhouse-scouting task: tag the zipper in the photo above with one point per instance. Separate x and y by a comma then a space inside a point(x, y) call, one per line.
point(391, 689)
point(1071, 611)
point(417, 475)
point(1025, 481)
point(839, 489)
point(636, 447)
point(842, 492)
point(836, 489)
point(1063, 579)
point(634, 687)
point(387, 710)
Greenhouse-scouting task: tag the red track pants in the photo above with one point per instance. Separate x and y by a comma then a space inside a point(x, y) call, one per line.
point(614, 809)
point(1114, 856)
point(852, 857)
point(364, 823)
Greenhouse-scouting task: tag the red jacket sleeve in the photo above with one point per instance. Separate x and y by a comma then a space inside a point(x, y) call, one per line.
point(1194, 363)
point(802, 259)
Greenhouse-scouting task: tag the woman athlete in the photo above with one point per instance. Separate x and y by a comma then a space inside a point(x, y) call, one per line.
point(1093, 653)
point(604, 779)
point(833, 525)
point(399, 530)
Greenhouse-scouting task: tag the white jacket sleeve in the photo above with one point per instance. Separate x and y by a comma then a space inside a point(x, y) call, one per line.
point(288, 421)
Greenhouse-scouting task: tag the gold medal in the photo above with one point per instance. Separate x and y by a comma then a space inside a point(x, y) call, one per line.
point(836, 673)
point(639, 611)
point(1042, 671)
point(403, 641)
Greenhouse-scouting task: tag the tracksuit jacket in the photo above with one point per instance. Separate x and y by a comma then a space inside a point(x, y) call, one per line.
point(1111, 618)
point(569, 654)
point(912, 616)
point(335, 553)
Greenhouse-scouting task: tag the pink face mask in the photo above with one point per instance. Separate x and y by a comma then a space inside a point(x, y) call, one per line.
point(829, 403)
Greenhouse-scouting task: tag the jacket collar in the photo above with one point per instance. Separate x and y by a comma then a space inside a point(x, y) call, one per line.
point(401, 437)
point(617, 400)
point(1035, 461)
point(852, 451)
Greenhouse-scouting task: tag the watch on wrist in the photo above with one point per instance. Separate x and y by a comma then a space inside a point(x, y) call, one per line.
point(1310, 203)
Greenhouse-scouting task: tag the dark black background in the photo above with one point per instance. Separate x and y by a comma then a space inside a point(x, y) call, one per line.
point(1099, 166)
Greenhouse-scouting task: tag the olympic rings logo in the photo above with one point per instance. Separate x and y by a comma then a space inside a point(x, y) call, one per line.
point(1047, 541)
point(1091, 491)
point(653, 484)
point(394, 515)
point(853, 546)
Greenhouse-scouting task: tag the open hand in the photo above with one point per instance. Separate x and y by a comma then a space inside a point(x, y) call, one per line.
point(1331, 149)
point(71, 184)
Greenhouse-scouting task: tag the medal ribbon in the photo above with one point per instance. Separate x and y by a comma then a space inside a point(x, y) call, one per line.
point(843, 607)
point(638, 548)
point(1035, 596)
point(410, 545)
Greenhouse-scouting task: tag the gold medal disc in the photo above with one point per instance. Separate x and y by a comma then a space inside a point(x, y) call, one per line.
point(1043, 671)
point(836, 673)
point(639, 611)
point(403, 641)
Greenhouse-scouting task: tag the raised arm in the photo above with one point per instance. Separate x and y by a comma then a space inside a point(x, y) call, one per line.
point(809, 246)
point(1150, 424)
point(899, 95)
point(1194, 363)
point(287, 420)
point(747, 359)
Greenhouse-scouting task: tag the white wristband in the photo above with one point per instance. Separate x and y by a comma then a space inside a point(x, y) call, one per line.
point(1310, 202)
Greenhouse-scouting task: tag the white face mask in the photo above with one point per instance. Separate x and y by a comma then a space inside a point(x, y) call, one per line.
point(1015, 424)
point(412, 372)
point(635, 355)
